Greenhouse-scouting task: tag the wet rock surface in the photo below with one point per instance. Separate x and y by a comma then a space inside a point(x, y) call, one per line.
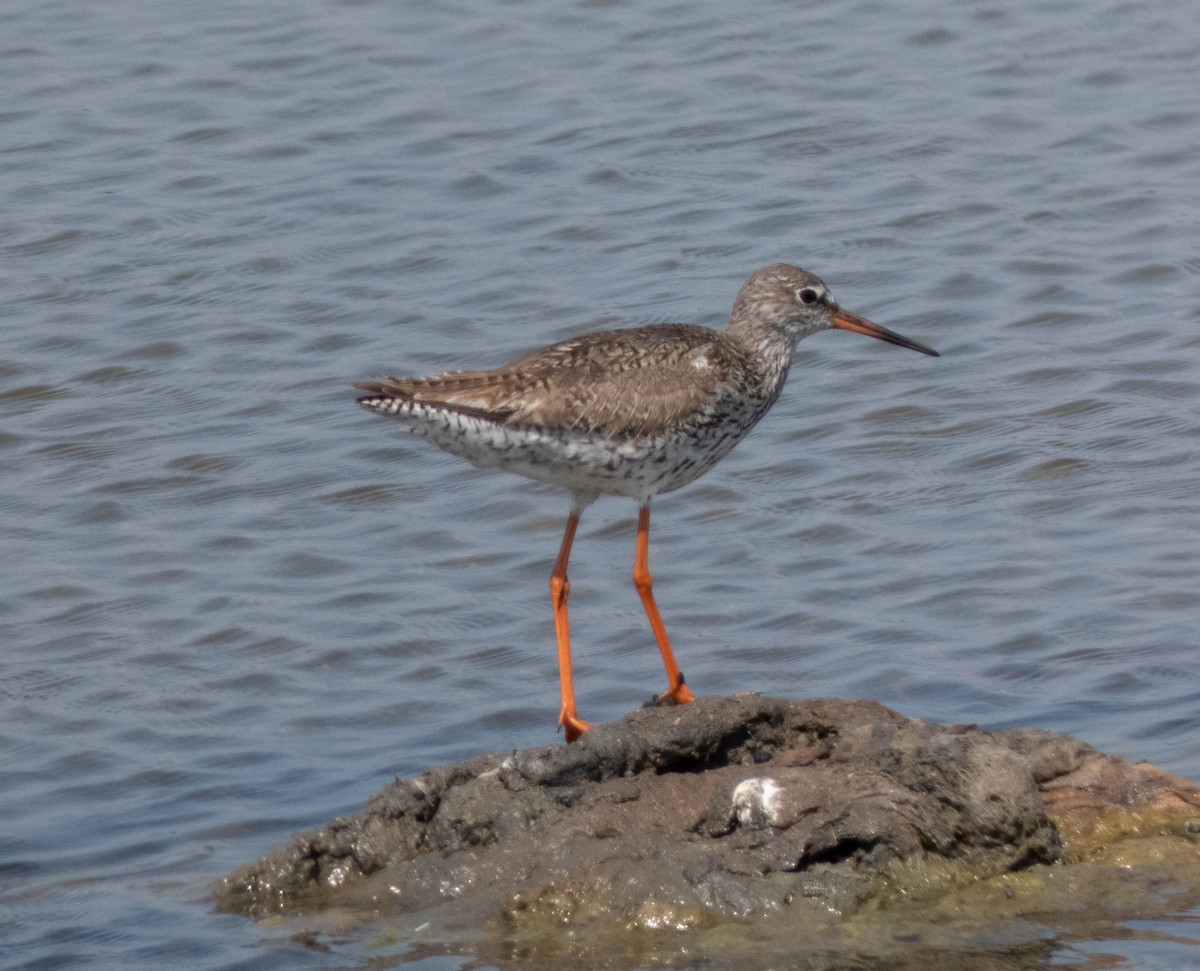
point(740, 812)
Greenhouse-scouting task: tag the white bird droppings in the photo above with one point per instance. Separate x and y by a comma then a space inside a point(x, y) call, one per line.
point(756, 803)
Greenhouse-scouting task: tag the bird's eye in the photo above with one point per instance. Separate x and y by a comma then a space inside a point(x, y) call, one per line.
point(807, 295)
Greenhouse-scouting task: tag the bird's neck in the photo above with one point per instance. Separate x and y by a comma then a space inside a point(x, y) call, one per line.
point(770, 349)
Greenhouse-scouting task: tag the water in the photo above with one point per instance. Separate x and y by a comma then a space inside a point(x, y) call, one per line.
point(232, 605)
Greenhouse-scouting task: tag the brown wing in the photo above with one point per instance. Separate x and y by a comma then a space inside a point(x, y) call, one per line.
point(619, 382)
point(469, 392)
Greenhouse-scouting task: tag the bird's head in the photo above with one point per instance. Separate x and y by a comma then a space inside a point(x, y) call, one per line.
point(784, 302)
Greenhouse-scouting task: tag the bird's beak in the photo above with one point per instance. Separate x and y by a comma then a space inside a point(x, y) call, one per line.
point(845, 320)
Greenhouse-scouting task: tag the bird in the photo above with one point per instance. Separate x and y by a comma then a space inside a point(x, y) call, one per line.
point(634, 412)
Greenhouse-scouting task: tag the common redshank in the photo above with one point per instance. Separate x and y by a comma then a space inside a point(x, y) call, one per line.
point(635, 412)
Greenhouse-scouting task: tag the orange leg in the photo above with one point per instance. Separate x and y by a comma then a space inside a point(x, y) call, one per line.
point(677, 692)
point(560, 590)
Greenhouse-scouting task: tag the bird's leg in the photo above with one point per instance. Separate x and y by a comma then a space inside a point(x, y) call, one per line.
point(560, 590)
point(677, 692)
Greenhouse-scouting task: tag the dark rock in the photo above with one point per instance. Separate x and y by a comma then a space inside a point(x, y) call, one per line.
point(739, 808)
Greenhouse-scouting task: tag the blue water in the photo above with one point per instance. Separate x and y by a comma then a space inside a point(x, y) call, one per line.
point(232, 605)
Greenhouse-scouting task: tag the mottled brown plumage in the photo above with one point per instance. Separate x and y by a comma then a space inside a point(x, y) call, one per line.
point(635, 412)
point(622, 382)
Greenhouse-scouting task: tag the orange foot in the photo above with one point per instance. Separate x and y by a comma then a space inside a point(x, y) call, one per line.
point(679, 695)
point(572, 725)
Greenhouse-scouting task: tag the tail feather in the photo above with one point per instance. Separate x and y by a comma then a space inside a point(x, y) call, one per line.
point(390, 397)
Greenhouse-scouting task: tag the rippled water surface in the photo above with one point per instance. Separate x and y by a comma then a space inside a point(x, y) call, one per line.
point(233, 605)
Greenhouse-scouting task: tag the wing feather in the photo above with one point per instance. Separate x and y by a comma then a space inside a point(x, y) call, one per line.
point(620, 382)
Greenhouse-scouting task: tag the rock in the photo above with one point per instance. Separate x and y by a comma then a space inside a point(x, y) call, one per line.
point(791, 818)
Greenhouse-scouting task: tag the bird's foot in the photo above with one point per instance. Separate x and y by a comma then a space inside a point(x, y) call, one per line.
point(680, 694)
point(572, 725)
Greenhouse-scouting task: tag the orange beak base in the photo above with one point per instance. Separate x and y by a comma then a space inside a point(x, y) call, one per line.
point(845, 320)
